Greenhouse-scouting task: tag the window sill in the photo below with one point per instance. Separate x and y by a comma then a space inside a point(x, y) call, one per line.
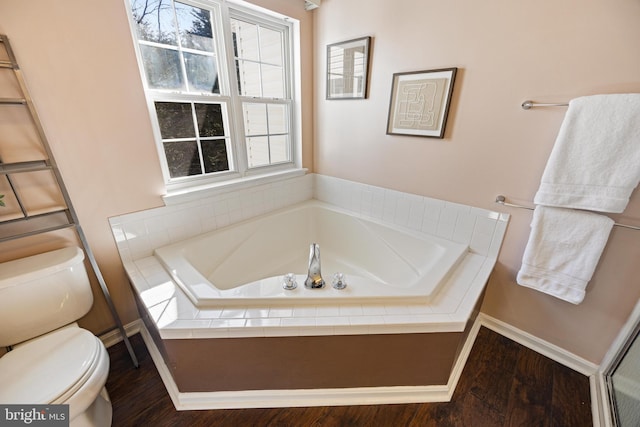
point(183, 195)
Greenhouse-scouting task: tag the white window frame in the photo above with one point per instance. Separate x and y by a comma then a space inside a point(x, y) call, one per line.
point(239, 173)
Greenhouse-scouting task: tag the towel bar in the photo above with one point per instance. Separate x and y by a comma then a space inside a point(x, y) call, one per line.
point(527, 105)
point(503, 201)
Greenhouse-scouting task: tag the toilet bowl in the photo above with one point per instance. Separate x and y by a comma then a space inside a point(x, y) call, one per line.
point(53, 360)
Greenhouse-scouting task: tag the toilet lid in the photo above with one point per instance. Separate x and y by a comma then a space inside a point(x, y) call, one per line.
point(50, 368)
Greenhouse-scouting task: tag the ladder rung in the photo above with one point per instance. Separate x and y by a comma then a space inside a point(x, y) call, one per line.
point(6, 64)
point(14, 101)
point(31, 166)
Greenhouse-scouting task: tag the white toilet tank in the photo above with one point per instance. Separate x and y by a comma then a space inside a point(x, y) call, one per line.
point(41, 293)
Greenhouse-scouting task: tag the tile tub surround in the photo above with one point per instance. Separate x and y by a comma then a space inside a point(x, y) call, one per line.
point(176, 317)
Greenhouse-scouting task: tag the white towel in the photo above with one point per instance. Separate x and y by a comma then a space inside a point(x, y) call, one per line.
point(564, 248)
point(595, 162)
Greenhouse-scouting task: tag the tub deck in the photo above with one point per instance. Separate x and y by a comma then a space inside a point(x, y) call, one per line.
point(244, 264)
point(176, 316)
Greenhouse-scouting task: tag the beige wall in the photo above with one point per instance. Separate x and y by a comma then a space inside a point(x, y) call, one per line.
point(506, 52)
point(79, 63)
point(78, 60)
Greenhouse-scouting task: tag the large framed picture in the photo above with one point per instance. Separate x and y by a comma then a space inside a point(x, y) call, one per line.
point(419, 103)
point(348, 69)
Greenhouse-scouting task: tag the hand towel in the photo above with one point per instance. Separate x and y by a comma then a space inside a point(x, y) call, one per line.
point(563, 250)
point(595, 161)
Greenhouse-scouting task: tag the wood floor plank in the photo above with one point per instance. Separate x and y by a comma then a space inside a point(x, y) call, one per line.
point(547, 394)
point(490, 368)
point(531, 391)
point(571, 400)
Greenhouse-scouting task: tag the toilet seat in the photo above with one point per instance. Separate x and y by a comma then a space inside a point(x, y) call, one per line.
point(50, 368)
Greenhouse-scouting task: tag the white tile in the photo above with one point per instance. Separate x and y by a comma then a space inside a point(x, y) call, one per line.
point(298, 321)
point(213, 313)
point(403, 209)
point(497, 239)
point(485, 225)
point(464, 228)
point(327, 311)
point(282, 331)
point(273, 322)
point(416, 213)
point(373, 310)
point(432, 209)
point(377, 203)
point(390, 203)
point(332, 321)
point(227, 323)
point(316, 331)
point(420, 309)
point(366, 204)
point(281, 312)
point(396, 309)
point(350, 310)
point(480, 243)
point(445, 229)
point(257, 312)
point(366, 320)
point(233, 313)
point(429, 226)
point(304, 311)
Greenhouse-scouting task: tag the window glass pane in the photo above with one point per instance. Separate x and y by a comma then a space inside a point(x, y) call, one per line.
point(272, 82)
point(210, 120)
point(245, 40)
point(154, 21)
point(271, 46)
point(202, 73)
point(162, 67)
point(279, 148)
point(194, 25)
point(175, 119)
point(258, 151)
point(255, 119)
point(214, 154)
point(248, 78)
point(183, 158)
point(277, 118)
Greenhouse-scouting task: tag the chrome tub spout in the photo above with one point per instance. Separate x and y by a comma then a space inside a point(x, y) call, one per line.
point(314, 278)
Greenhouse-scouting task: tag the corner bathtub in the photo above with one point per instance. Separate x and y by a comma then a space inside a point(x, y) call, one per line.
point(245, 263)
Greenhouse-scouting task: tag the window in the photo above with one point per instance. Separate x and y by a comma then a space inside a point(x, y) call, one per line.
point(218, 78)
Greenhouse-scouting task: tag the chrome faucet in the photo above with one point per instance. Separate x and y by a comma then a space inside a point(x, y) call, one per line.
point(314, 278)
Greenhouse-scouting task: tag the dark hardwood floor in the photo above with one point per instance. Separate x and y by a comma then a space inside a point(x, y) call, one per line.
point(503, 384)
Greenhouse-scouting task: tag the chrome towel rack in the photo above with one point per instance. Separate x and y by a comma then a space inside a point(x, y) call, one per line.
point(527, 105)
point(500, 199)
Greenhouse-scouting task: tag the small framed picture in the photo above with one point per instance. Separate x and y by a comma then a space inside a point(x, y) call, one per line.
point(348, 69)
point(419, 103)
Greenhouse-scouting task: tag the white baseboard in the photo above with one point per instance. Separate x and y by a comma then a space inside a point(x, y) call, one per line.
point(310, 397)
point(538, 345)
point(114, 336)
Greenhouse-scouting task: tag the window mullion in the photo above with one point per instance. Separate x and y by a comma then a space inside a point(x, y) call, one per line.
point(197, 132)
point(238, 131)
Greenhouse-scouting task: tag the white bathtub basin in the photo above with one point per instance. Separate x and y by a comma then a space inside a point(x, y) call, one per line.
point(245, 263)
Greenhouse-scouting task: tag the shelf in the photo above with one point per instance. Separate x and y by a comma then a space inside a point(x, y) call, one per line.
point(36, 224)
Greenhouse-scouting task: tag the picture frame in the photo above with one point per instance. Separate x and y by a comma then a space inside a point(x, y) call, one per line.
point(348, 69)
point(420, 101)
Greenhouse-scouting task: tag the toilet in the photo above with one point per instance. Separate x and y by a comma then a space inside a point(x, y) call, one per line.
point(53, 360)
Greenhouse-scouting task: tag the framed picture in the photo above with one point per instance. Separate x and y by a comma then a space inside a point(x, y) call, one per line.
point(348, 69)
point(420, 102)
